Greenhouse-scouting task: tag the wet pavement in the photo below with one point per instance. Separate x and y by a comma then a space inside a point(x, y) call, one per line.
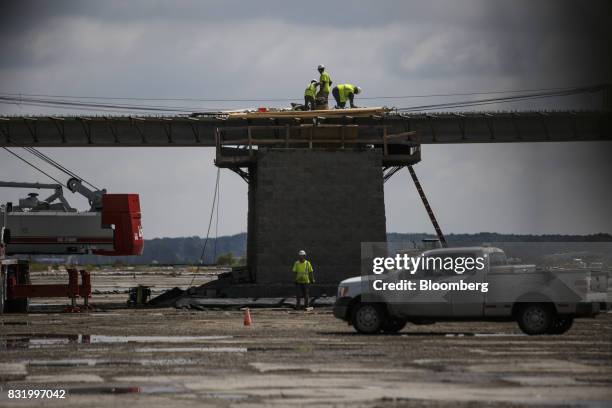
point(169, 357)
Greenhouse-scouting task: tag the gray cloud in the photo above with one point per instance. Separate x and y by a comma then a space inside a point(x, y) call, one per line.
point(269, 49)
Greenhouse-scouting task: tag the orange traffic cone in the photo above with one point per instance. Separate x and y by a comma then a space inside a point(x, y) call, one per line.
point(247, 317)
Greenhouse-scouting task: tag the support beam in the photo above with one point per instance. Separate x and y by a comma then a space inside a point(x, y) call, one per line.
point(431, 128)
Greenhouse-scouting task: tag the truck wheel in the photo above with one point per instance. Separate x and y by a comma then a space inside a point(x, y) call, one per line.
point(561, 324)
point(535, 318)
point(393, 325)
point(368, 318)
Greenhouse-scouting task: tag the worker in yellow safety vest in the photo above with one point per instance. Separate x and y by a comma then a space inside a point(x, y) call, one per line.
point(303, 278)
point(324, 83)
point(344, 92)
point(309, 95)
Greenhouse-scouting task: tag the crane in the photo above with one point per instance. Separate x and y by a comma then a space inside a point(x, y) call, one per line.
point(111, 227)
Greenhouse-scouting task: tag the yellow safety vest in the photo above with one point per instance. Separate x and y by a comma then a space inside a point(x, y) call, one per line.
point(302, 271)
point(311, 89)
point(324, 80)
point(344, 90)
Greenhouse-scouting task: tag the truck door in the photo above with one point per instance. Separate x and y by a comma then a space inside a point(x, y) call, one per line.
point(468, 303)
point(425, 302)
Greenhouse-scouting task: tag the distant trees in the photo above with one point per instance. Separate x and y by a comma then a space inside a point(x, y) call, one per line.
point(228, 259)
point(187, 250)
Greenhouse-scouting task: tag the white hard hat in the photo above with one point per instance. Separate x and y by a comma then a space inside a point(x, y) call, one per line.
point(321, 66)
point(357, 90)
point(302, 252)
point(313, 80)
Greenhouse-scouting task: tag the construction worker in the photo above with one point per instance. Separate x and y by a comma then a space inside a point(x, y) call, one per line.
point(324, 83)
point(303, 277)
point(309, 95)
point(343, 92)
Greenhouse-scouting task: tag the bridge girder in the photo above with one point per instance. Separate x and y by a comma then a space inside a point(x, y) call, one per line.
point(433, 128)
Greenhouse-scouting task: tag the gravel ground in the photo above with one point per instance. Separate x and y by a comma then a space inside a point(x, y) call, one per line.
point(167, 358)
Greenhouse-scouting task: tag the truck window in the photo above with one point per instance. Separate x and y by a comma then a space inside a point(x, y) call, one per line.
point(497, 259)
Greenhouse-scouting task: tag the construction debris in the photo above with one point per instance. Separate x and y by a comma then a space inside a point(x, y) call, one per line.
point(200, 303)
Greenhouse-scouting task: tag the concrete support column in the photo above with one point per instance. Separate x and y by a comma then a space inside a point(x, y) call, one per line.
point(323, 201)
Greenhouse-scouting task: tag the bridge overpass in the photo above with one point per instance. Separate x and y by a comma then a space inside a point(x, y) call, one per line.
point(431, 128)
point(315, 179)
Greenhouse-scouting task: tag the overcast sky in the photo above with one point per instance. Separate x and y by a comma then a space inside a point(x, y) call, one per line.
point(270, 49)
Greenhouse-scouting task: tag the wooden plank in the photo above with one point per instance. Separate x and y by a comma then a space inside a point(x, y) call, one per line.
point(231, 142)
point(309, 114)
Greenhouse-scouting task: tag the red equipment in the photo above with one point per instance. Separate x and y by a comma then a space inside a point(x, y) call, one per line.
point(123, 212)
point(111, 227)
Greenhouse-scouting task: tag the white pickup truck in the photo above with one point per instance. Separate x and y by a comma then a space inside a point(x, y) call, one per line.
point(541, 301)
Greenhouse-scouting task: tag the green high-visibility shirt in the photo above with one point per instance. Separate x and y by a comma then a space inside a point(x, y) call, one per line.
point(302, 271)
point(325, 81)
point(344, 90)
point(311, 89)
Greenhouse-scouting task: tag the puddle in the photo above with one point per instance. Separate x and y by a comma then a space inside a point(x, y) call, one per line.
point(76, 362)
point(591, 403)
point(483, 334)
point(49, 340)
point(227, 397)
point(20, 341)
point(106, 314)
point(539, 381)
point(165, 362)
point(459, 334)
point(64, 378)
point(12, 371)
point(153, 339)
point(154, 389)
point(191, 350)
point(517, 352)
point(273, 348)
point(328, 368)
point(92, 362)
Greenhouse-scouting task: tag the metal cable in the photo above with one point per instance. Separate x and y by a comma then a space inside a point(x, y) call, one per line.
point(97, 106)
point(513, 98)
point(34, 166)
point(57, 165)
point(78, 108)
point(212, 211)
point(63, 103)
point(217, 220)
point(195, 99)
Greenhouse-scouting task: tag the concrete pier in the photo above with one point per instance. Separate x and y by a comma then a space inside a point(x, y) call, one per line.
point(323, 201)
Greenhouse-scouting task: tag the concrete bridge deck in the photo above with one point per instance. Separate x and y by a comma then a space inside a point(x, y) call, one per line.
point(431, 128)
